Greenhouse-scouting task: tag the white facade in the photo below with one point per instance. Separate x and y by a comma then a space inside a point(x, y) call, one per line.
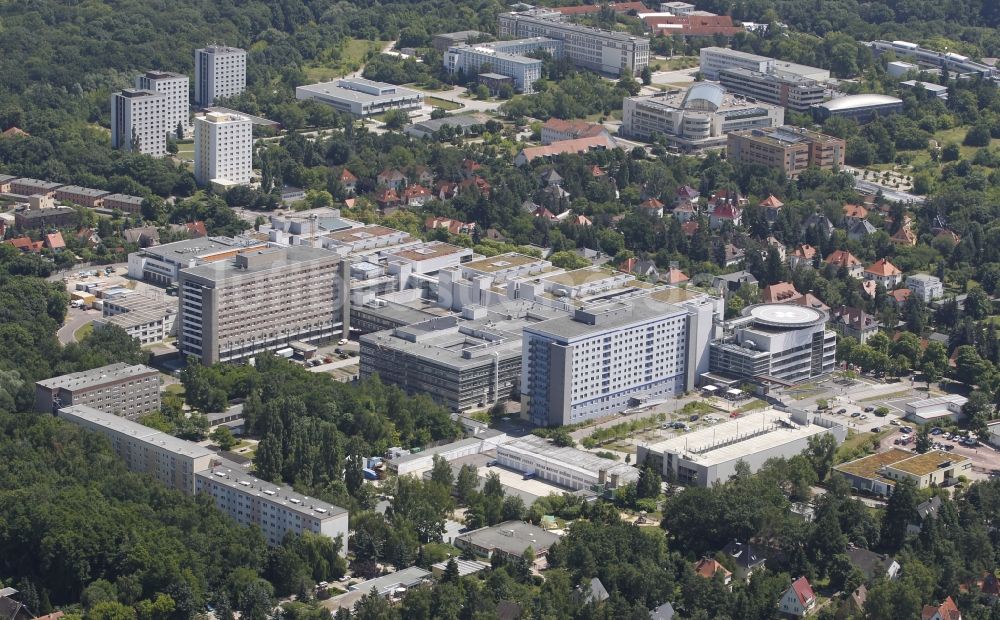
point(361, 97)
point(505, 58)
point(223, 149)
point(176, 89)
point(926, 287)
point(276, 510)
point(170, 460)
point(595, 363)
point(936, 409)
point(219, 72)
point(715, 59)
point(140, 117)
point(567, 467)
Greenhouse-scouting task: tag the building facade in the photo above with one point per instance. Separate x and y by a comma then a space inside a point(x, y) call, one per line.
point(786, 342)
point(697, 118)
point(260, 301)
point(790, 149)
point(926, 287)
point(603, 51)
point(176, 88)
point(219, 72)
point(139, 121)
point(276, 510)
point(170, 460)
point(223, 149)
point(507, 58)
point(361, 97)
point(118, 389)
point(598, 361)
point(791, 91)
point(567, 467)
point(714, 60)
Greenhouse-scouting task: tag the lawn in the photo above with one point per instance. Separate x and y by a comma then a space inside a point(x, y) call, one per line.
point(351, 57)
point(175, 389)
point(185, 150)
point(83, 332)
point(444, 104)
point(675, 63)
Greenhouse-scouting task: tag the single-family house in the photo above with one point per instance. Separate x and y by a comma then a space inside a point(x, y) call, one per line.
point(709, 568)
point(925, 286)
point(685, 212)
point(802, 255)
point(947, 610)
point(392, 179)
point(925, 510)
point(873, 565)
point(904, 236)
point(416, 195)
point(348, 181)
point(772, 208)
point(854, 323)
point(746, 559)
point(651, 206)
point(731, 282)
point(674, 276)
point(885, 273)
point(798, 600)
point(860, 230)
point(54, 241)
point(777, 246)
point(856, 602)
point(854, 214)
point(779, 292)
point(725, 211)
point(820, 223)
point(842, 259)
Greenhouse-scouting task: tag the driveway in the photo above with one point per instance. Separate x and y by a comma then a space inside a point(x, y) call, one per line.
point(75, 319)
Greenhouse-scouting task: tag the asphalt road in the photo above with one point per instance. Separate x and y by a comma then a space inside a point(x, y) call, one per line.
point(75, 319)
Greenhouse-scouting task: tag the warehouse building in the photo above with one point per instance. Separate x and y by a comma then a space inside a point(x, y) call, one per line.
point(567, 467)
point(404, 462)
point(941, 409)
point(461, 362)
point(710, 455)
point(782, 342)
point(119, 389)
point(696, 118)
point(361, 97)
point(170, 460)
point(879, 473)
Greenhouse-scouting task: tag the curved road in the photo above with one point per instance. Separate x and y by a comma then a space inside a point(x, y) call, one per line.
point(75, 319)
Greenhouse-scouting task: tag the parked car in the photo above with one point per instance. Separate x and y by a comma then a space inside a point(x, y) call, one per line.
point(342, 341)
point(842, 411)
point(906, 429)
point(936, 431)
point(894, 422)
point(856, 415)
point(876, 429)
point(869, 409)
point(694, 417)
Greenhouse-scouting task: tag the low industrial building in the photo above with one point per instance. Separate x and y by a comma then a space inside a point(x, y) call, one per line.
point(361, 97)
point(509, 539)
point(775, 342)
point(462, 124)
point(789, 149)
point(461, 362)
point(146, 319)
point(879, 473)
point(696, 118)
point(404, 462)
point(710, 455)
point(940, 409)
point(170, 460)
point(443, 41)
point(860, 108)
point(567, 467)
point(277, 511)
point(119, 389)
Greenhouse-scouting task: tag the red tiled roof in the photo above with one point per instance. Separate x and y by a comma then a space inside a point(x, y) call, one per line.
point(803, 590)
point(904, 235)
point(651, 203)
point(387, 195)
point(842, 258)
point(726, 210)
point(596, 171)
point(947, 610)
point(690, 228)
point(882, 267)
point(780, 292)
point(347, 176)
point(25, 244)
point(804, 250)
point(707, 568)
point(628, 265)
point(579, 145)
point(676, 276)
point(771, 202)
point(543, 212)
point(415, 191)
point(196, 229)
point(855, 211)
point(687, 192)
point(575, 128)
point(55, 241)
point(900, 295)
point(692, 25)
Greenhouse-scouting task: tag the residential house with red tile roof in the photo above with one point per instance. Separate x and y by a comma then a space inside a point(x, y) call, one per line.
point(675, 276)
point(25, 244)
point(416, 195)
point(854, 213)
point(348, 180)
point(904, 236)
point(470, 167)
point(558, 130)
point(779, 292)
point(690, 228)
point(445, 190)
point(652, 206)
point(391, 178)
point(387, 198)
point(54, 241)
point(885, 273)
point(563, 147)
point(478, 183)
point(579, 220)
point(772, 208)
point(195, 230)
point(802, 255)
point(544, 213)
point(454, 227)
point(708, 568)
point(798, 600)
point(899, 296)
point(844, 259)
point(947, 610)
point(685, 212)
point(854, 323)
point(686, 193)
point(725, 211)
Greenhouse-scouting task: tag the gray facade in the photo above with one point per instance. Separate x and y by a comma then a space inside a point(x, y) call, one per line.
point(119, 389)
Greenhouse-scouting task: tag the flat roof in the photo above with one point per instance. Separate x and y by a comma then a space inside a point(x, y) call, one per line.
point(456, 120)
point(387, 583)
point(284, 257)
point(254, 120)
point(37, 183)
point(96, 376)
point(869, 466)
point(493, 264)
point(928, 462)
point(234, 477)
point(512, 537)
point(585, 275)
point(616, 315)
point(948, 399)
point(354, 235)
point(570, 458)
point(737, 438)
point(856, 102)
point(334, 89)
point(465, 567)
point(127, 198)
point(928, 86)
point(428, 251)
point(193, 248)
point(784, 316)
point(135, 430)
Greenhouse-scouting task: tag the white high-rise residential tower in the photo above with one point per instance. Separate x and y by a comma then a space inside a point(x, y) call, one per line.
point(138, 121)
point(177, 90)
point(223, 149)
point(219, 72)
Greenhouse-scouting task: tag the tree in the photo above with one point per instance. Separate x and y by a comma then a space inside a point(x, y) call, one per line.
point(934, 362)
point(395, 119)
point(923, 440)
point(441, 472)
point(223, 437)
point(821, 451)
point(978, 135)
point(900, 511)
point(977, 304)
point(466, 484)
point(650, 483)
point(482, 92)
point(561, 437)
point(646, 75)
point(450, 574)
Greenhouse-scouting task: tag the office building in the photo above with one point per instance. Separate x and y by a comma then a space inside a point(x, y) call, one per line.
point(715, 59)
point(879, 473)
point(934, 90)
point(170, 460)
point(276, 510)
point(606, 358)
point(697, 118)
point(258, 301)
point(782, 342)
point(950, 61)
point(223, 149)
point(790, 91)
point(603, 51)
point(925, 286)
point(462, 363)
point(361, 97)
point(507, 58)
point(118, 389)
point(709, 455)
point(441, 42)
point(139, 121)
point(861, 108)
point(161, 264)
point(568, 467)
point(898, 68)
point(789, 149)
point(177, 107)
point(219, 72)
point(947, 408)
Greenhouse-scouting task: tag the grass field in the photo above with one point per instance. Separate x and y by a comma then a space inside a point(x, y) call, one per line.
point(674, 63)
point(444, 104)
point(83, 332)
point(351, 57)
point(185, 150)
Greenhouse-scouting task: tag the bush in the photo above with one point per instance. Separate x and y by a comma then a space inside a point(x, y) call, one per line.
point(978, 135)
